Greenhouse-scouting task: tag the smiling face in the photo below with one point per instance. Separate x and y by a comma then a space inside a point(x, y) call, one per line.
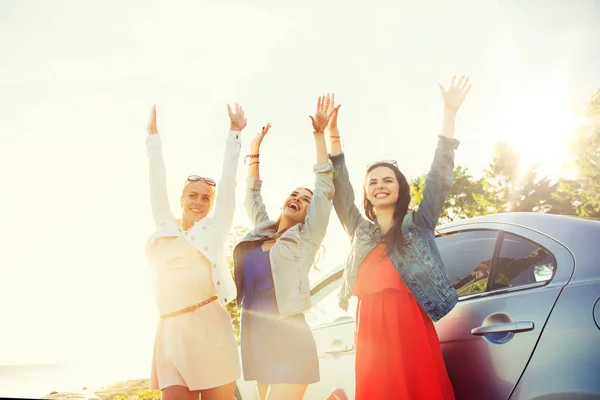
point(197, 201)
point(296, 205)
point(381, 187)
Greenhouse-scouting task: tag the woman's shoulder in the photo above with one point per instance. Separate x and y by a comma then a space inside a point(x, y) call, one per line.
point(265, 228)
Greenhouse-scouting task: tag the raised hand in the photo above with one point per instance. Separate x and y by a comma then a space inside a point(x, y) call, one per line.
point(456, 93)
point(332, 125)
point(322, 116)
point(237, 122)
point(257, 140)
point(151, 128)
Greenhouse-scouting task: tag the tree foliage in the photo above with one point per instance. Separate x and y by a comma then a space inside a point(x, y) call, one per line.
point(583, 192)
point(507, 186)
point(235, 237)
point(461, 202)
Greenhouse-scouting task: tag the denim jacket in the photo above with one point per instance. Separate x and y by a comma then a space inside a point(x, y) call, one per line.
point(294, 252)
point(419, 264)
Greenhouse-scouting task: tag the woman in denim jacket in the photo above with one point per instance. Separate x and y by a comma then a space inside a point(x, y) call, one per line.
point(195, 350)
point(271, 273)
point(395, 270)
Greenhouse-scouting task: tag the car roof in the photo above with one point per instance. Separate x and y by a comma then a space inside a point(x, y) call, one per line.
point(575, 233)
point(551, 224)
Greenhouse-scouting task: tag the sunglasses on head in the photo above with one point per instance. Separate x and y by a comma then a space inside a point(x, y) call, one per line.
point(197, 178)
point(390, 162)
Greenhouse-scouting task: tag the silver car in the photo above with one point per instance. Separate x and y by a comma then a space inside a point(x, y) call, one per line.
point(527, 325)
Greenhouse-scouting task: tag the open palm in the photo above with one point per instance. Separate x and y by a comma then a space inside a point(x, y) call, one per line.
point(237, 119)
point(322, 115)
point(257, 140)
point(456, 93)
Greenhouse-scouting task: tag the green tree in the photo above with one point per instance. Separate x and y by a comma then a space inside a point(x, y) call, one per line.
point(236, 235)
point(507, 187)
point(583, 192)
point(461, 202)
point(500, 189)
point(539, 195)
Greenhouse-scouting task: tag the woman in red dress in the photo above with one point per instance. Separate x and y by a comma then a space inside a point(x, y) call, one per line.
point(395, 270)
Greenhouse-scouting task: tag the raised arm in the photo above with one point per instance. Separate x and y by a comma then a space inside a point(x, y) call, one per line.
point(343, 199)
point(255, 208)
point(225, 199)
point(319, 211)
point(159, 200)
point(439, 179)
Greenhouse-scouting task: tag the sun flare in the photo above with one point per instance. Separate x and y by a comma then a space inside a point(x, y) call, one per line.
point(539, 126)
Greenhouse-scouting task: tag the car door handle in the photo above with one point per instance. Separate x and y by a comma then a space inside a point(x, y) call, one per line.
point(514, 327)
point(338, 347)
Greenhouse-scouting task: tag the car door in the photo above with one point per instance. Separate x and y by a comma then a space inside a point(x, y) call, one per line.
point(508, 279)
point(333, 330)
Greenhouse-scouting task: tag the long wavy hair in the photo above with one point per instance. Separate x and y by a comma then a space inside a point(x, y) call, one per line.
point(393, 239)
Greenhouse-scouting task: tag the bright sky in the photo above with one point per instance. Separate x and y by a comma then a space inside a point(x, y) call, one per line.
point(78, 80)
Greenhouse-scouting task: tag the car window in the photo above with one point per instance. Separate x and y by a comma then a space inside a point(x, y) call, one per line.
point(522, 262)
point(325, 308)
point(467, 256)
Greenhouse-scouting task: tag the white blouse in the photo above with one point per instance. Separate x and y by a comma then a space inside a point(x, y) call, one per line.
point(210, 234)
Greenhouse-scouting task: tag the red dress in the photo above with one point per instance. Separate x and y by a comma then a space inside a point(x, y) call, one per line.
point(398, 353)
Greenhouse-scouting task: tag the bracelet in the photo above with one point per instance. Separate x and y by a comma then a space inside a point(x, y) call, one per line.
point(255, 162)
point(251, 156)
point(334, 136)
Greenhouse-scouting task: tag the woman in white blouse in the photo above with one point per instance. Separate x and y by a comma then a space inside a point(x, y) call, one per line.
point(195, 350)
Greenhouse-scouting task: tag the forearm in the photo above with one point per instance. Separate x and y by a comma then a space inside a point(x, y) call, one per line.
point(253, 203)
point(335, 142)
point(437, 183)
point(343, 198)
point(321, 148)
point(253, 163)
point(159, 200)
point(448, 123)
point(319, 211)
point(225, 199)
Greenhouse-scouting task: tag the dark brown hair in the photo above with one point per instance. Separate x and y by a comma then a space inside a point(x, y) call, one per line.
point(393, 239)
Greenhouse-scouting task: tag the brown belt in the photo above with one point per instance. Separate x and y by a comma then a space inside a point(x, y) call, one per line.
point(190, 308)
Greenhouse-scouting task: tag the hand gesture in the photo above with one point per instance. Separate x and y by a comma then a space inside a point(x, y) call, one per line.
point(322, 116)
point(255, 144)
point(151, 128)
point(237, 120)
point(332, 126)
point(455, 95)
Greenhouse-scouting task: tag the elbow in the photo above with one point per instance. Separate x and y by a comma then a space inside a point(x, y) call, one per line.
point(324, 186)
point(248, 207)
point(247, 199)
point(446, 186)
point(329, 191)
